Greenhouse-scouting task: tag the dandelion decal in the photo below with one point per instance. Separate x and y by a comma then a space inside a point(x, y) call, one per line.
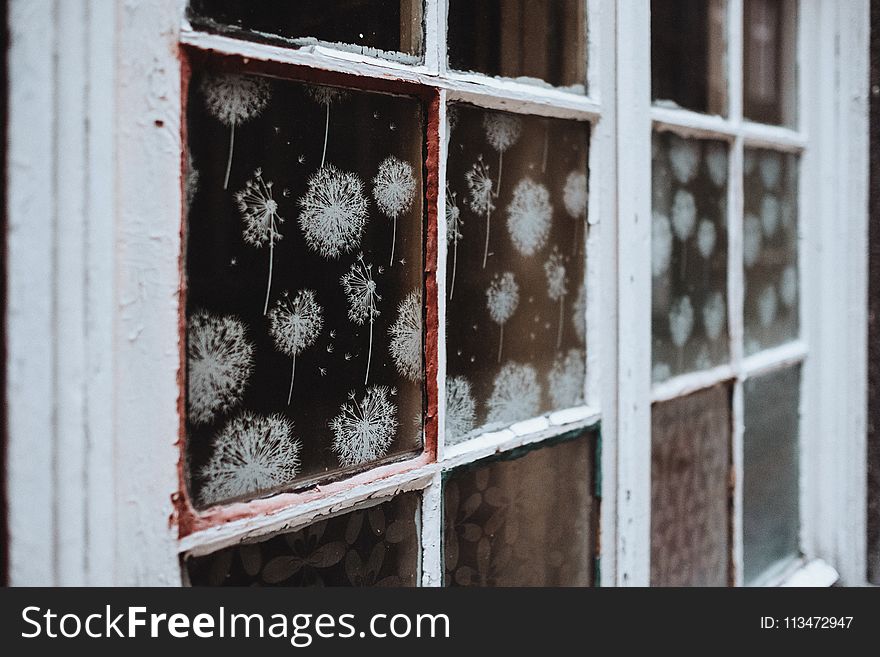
point(363, 431)
point(681, 323)
point(480, 196)
point(394, 189)
point(557, 286)
point(360, 290)
point(502, 132)
point(516, 394)
point(661, 244)
point(294, 325)
point(252, 453)
point(714, 313)
point(788, 286)
point(579, 314)
point(333, 212)
point(406, 337)
point(716, 163)
point(684, 156)
point(574, 196)
point(234, 99)
point(770, 168)
point(528, 216)
point(219, 360)
point(502, 298)
point(566, 379)
point(460, 409)
point(706, 238)
point(261, 221)
point(767, 306)
point(752, 240)
point(453, 231)
point(326, 96)
point(770, 214)
point(684, 214)
point(190, 180)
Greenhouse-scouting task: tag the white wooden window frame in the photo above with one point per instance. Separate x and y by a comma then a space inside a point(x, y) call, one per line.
point(93, 312)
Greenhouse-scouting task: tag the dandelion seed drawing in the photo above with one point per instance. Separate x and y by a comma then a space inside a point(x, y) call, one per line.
point(333, 212)
point(770, 168)
point(453, 231)
point(502, 298)
point(326, 96)
point(406, 337)
point(574, 195)
point(252, 453)
point(770, 214)
point(752, 240)
point(394, 189)
point(364, 430)
point(502, 132)
point(220, 360)
point(714, 313)
point(460, 409)
point(557, 286)
point(234, 99)
point(661, 243)
point(566, 379)
point(767, 306)
point(360, 289)
point(684, 156)
point(579, 314)
point(294, 325)
point(788, 286)
point(716, 163)
point(190, 180)
point(261, 220)
point(684, 218)
point(480, 196)
point(681, 323)
point(706, 237)
point(528, 216)
point(516, 394)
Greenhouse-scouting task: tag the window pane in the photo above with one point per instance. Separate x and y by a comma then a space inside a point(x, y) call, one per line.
point(770, 243)
point(378, 546)
point(771, 520)
point(380, 28)
point(304, 280)
point(526, 521)
point(537, 39)
point(689, 255)
point(688, 53)
point(690, 490)
point(769, 54)
point(516, 218)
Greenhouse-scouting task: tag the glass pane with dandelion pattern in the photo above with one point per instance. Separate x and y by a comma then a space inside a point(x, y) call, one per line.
point(516, 206)
point(376, 546)
point(304, 270)
point(688, 255)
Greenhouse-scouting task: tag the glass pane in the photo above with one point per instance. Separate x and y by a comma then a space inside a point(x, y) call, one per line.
point(771, 522)
point(769, 61)
point(304, 281)
point(689, 255)
point(532, 39)
point(532, 520)
point(770, 244)
point(378, 546)
point(516, 305)
point(688, 54)
point(690, 490)
point(391, 29)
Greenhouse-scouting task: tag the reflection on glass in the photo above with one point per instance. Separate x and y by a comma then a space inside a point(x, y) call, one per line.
point(304, 281)
point(379, 28)
point(689, 255)
point(688, 53)
point(769, 54)
point(770, 243)
point(378, 546)
point(525, 521)
point(516, 304)
point(540, 39)
point(690, 495)
point(770, 471)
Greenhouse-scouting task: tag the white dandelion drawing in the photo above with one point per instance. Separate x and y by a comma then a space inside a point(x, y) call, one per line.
point(770, 168)
point(364, 430)
point(333, 212)
point(767, 306)
point(716, 163)
point(714, 314)
point(234, 99)
point(516, 394)
point(574, 196)
point(252, 453)
point(480, 196)
point(770, 214)
point(752, 240)
point(453, 231)
point(190, 180)
point(528, 216)
point(502, 132)
point(363, 296)
point(394, 189)
point(660, 372)
point(219, 360)
point(294, 325)
point(684, 214)
point(661, 244)
point(557, 286)
point(566, 379)
point(502, 298)
point(579, 314)
point(788, 286)
point(706, 237)
point(406, 337)
point(326, 96)
point(684, 156)
point(261, 220)
point(681, 323)
point(460, 409)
